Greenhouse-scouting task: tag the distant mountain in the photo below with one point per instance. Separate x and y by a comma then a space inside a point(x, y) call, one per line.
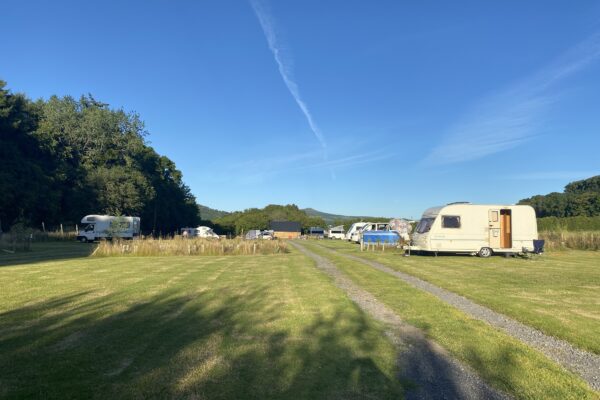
point(210, 214)
point(327, 217)
point(331, 218)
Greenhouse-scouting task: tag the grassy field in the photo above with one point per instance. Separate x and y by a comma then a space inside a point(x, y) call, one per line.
point(183, 327)
point(558, 293)
point(500, 359)
point(228, 327)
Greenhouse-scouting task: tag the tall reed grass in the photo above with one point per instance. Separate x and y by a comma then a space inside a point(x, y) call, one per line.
point(189, 247)
point(580, 240)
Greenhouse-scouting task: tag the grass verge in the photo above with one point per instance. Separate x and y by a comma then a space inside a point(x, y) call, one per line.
point(557, 293)
point(501, 360)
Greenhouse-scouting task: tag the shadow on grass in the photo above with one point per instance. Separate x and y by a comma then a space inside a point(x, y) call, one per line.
point(47, 251)
point(203, 345)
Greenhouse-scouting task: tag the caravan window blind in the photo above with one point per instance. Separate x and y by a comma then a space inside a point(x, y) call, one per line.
point(450, 221)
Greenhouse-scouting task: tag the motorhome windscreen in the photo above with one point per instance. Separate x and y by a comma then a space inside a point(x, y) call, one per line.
point(425, 225)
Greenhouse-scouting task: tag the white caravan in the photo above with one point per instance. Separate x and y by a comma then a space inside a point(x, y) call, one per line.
point(336, 232)
point(200, 231)
point(107, 226)
point(353, 233)
point(476, 229)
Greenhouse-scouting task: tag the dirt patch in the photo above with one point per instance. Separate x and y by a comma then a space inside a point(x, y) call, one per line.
point(434, 373)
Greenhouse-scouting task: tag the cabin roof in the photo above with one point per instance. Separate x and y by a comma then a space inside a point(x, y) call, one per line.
point(285, 226)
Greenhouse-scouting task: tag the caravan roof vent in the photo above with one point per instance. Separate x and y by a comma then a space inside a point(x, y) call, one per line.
point(459, 202)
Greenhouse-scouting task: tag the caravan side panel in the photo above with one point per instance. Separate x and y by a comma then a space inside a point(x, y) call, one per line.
point(460, 228)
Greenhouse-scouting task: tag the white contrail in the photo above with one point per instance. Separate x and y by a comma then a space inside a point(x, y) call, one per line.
point(285, 67)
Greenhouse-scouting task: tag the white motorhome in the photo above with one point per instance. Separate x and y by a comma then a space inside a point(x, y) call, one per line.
point(107, 226)
point(353, 233)
point(336, 232)
point(200, 232)
point(476, 229)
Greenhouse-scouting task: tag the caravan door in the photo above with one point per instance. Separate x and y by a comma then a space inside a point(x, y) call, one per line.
point(494, 227)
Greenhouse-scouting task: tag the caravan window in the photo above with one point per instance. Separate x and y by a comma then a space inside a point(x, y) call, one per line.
point(450, 221)
point(425, 225)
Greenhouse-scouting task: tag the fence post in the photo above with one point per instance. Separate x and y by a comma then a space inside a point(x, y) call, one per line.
point(61, 230)
point(43, 227)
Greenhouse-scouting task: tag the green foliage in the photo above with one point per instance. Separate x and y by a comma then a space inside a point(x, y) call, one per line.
point(336, 219)
point(210, 214)
point(587, 185)
point(255, 218)
point(62, 159)
point(581, 198)
point(569, 224)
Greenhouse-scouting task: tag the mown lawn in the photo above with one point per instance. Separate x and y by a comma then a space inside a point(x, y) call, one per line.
point(501, 360)
point(557, 293)
point(183, 327)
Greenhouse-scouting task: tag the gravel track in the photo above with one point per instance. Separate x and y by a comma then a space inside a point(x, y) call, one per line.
point(583, 363)
point(435, 374)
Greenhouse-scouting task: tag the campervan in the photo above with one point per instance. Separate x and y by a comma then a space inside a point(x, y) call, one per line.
point(107, 226)
point(336, 232)
point(206, 232)
point(199, 232)
point(477, 229)
point(353, 233)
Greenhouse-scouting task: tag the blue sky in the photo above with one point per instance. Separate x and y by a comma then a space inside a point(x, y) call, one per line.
point(351, 107)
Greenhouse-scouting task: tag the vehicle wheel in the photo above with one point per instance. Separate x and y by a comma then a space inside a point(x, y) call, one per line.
point(485, 252)
point(83, 240)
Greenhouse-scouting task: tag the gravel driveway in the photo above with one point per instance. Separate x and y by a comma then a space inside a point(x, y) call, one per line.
point(435, 374)
point(583, 363)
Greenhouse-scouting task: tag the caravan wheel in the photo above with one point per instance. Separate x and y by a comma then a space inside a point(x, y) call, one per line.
point(485, 252)
point(83, 239)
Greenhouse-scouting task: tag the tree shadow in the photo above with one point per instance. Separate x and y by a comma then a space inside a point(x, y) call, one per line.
point(432, 374)
point(197, 345)
point(47, 251)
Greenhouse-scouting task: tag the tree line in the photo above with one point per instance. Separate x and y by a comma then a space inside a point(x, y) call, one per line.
point(63, 158)
point(239, 222)
point(579, 199)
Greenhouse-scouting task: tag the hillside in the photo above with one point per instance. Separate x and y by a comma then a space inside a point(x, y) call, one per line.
point(335, 219)
point(327, 217)
point(210, 214)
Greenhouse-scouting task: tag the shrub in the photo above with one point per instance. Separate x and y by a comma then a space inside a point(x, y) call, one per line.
point(579, 240)
point(189, 247)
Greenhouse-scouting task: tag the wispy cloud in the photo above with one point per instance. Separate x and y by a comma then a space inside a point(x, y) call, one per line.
point(513, 116)
point(285, 65)
point(263, 169)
